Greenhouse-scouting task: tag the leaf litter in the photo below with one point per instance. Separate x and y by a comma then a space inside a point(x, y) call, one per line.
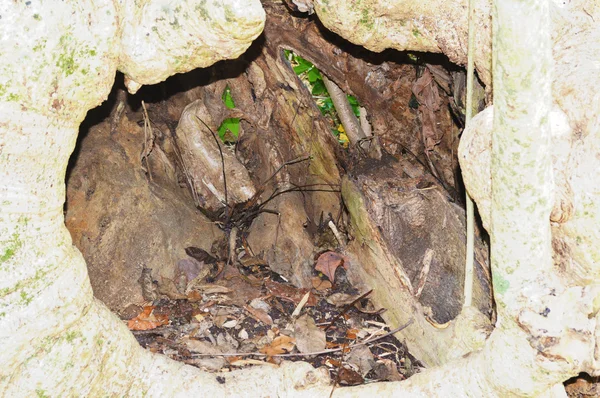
point(219, 317)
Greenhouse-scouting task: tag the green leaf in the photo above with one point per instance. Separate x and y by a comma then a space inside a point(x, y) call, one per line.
point(303, 65)
point(231, 125)
point(314, 75)
point(319, 88)
point(227, 98)
point(326, 106)
point(354, 104)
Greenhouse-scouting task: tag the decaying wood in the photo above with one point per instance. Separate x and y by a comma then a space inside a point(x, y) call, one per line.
point(409, 239)
point(204, 161)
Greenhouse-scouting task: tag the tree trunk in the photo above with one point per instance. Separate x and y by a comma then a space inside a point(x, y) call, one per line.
point(56, 339)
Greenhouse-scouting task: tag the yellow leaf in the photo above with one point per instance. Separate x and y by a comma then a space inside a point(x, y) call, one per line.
point(343, 138)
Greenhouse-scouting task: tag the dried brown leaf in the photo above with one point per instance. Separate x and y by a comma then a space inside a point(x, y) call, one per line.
point(320, 284)
point(309, 338)
point(341, 299)
point(147, 320)
point(289, 293)
point(349, 377)
point(281, 345)
point(200, 254)
point(259, 315)
point(387, 370)
point(328, 263)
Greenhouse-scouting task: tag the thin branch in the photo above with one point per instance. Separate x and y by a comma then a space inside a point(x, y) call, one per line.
point(148, 136)
point(294, 161)
point(340, 101)
point(277, 193)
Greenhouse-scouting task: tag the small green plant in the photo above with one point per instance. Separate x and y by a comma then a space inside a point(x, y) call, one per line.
point(229, 129)
point(313, 80)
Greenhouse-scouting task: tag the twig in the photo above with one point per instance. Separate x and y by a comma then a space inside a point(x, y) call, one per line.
point(470, 209)
point(299, 189)
point(297, 160)
point(117, 112)
point(307, 354)
point(336, 233)
point(301, 305)
point(147, 148)
point(231, 257)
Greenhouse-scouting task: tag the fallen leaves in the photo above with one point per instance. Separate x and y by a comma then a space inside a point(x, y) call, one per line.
point(320, 284)
point(259, 315)
point(147, 320)
point(309, 338)
point(233, 321)
point(289, 293)
point(280, 345)
point(328, 263)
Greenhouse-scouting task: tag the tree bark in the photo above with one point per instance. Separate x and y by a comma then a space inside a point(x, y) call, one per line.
point(55, 338)
point(546, 326)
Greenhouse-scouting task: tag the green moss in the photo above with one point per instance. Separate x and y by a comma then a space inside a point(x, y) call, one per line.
point(8, 253)
point(25, 298)
point(11, 248)
point(41, 393)
point(367, 19)
point(72, 335)
point(46, 344)
point(500, 284)
point(202, 11)
point(416, 33)
point(66, 62)
point(13, 97)
point(229, 14)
